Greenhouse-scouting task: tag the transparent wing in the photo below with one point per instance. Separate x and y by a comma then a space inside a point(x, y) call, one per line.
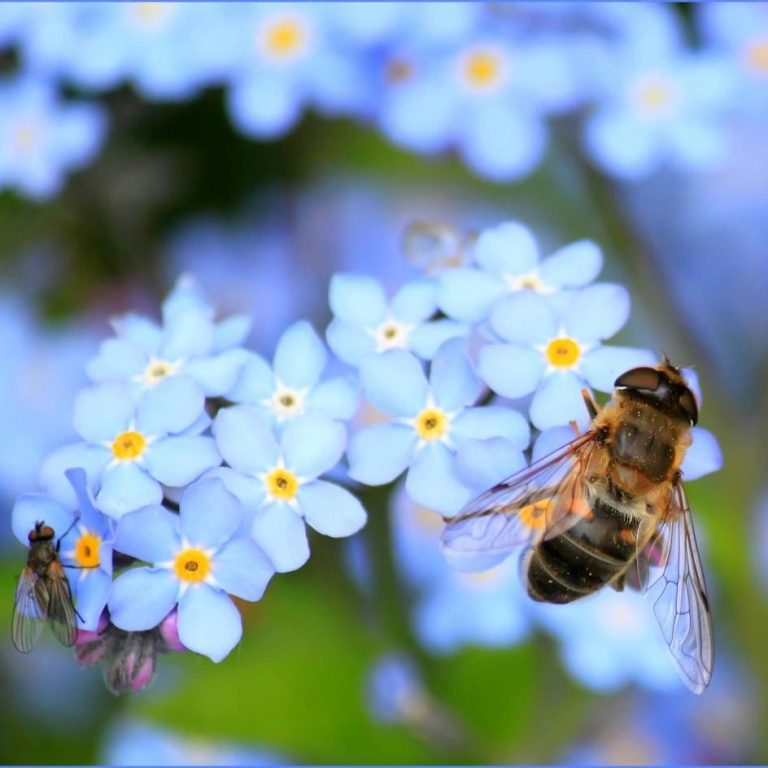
point(61, 610)
point(539, 502)
point(674, 582)
point(29, 611)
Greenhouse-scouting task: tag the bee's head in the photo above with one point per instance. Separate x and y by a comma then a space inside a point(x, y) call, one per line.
point(41, 532)
point(665, 387)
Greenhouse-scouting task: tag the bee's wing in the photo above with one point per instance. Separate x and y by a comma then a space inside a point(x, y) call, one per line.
point(539, 502)
point(61, 609)
point(29, 611)
point(674, 582)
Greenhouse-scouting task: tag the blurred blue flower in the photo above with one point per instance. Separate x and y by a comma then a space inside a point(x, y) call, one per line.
point(42, 138)
point(365, 323)
point(130, 449)
point(507, 258)
point(555, 351)
point(85, 539)
point(394, 690)
point(189, 346)
point(277, 481)
point(449, 449)
point(197, 559)
point(293, 385)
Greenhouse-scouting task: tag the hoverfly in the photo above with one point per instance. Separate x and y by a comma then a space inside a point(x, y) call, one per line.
point(608, 508)
point(43, 594)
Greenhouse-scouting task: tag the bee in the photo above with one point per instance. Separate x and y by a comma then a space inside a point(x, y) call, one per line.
point(607, 508)
point(43, 594)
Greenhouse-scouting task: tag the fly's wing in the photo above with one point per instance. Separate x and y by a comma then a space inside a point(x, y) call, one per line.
point(539, 502)
point(674, 582)
point(61, 610)
point(29, 611)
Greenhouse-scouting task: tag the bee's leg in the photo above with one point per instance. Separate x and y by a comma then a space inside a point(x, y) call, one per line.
point(618, 585)
point(589, 401)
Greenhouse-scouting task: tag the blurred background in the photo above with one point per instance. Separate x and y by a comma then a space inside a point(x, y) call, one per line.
point(263, 148)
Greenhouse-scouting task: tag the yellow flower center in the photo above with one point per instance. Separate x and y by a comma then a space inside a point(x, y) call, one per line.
point(157, 370)
point(282, 484)
point(654, 94)
point(284, 38)
point(192, 565)
point(431, 424)
point(25, 136)
point(535, 515)
point(563, 353)
point(128, 446)
point(398, 70)
point(151, 15)
point(87, 550)
point(391, 335)
point(757, 57)
point(482, 68)
point(286, 402)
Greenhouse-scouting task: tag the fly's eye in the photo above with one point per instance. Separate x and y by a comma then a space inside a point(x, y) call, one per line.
point(32, 536)
point(639, 378)
point(688, 404)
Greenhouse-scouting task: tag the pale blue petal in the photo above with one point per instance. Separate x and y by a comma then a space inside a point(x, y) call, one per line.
point(415, 302)
point(209, 514)
point(357, 299)
point(93, 591)
point(603, 365)
point(141, 598)
point(125, 488)
point(337, 397)
point(150, 534)
point(209, 622)
point(188, 333)
point(483, 463)
point(510, 370)
point(524, 318)
point(330, 509)
point(300, 356)
point(468, 294)
point(313, 444)
point(621, 144)
point(282, 536)
point(103, 412)
point(596, 312)
point(493, 421)
point(395, 383)
point(452, 379)
point(551, 440)
point(242, 569)
point(231, 332)
point(177, 461)
point(170, 406)
point(140, 331)
point(427, 338)
point(558, 401)
point(116, 359)
point(350, 343)
point(88, 515)
point(217, 375)
point(703, 456)
point(256, 382)
point(31, 508)
point(245, 439)
point(433, 482)
point(507, 249)
point(249, 490)
point(92, 458)
point(378, 454)
point(573, 266)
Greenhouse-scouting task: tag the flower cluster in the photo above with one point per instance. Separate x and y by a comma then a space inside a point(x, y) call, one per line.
point(445, 76)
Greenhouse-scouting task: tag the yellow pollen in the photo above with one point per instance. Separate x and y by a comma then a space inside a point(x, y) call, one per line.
point(287, 400)
point(757, 57)
point(157, 370)
point(282, 484)
point(431, 424)
point(87, 550)
point(398, 70)
point(285, 38)
point(535, 515)
point(563, 353)
point(482, 69)
point(192, 565)
point(25, 136)
point(151, 15)
point(654, 96)
point(128, 446)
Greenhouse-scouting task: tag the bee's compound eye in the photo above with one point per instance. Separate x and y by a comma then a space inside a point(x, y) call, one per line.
point(689, 406)
point(639, 378)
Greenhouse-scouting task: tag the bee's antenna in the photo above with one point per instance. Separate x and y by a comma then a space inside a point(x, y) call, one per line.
point(667, 362)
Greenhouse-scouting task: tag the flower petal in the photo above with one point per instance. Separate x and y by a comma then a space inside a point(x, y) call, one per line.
point(140, 331)
point(282, 536)
point(507, 249)
point(558, 401)
point(250, 491)
point(116, 359)
point(313, 444)
point(231, 332)
point(141, 598)
point(452, 378)
point(241, 569)
point(91, 458)
point(256, 381)
point(493, 421)
point(150, 534)
point(330, 509)
point(573, 266)
point(170, 407)
point(703, 456)
point(603, 365)
point(432, 481)
point(102, 412)
point(483, 463)
point(378, 454)
point(217, 375)
point(524, 318)
point(209, 622)
point(357, 299)
point(31, 508)
point(125, 488)
point(415, 302)
point(209, 514)
point(395, 383)
point(245, 439)
point(350, 343)
point(337, 397)
point(300, 356)
point(427, 338)
point(510, 370)
point(468, 294)
point(596, 312)
point(93, 590)
point(177, 461)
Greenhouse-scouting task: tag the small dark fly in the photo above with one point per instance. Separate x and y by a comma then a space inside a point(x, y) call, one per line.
point(43, 594)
